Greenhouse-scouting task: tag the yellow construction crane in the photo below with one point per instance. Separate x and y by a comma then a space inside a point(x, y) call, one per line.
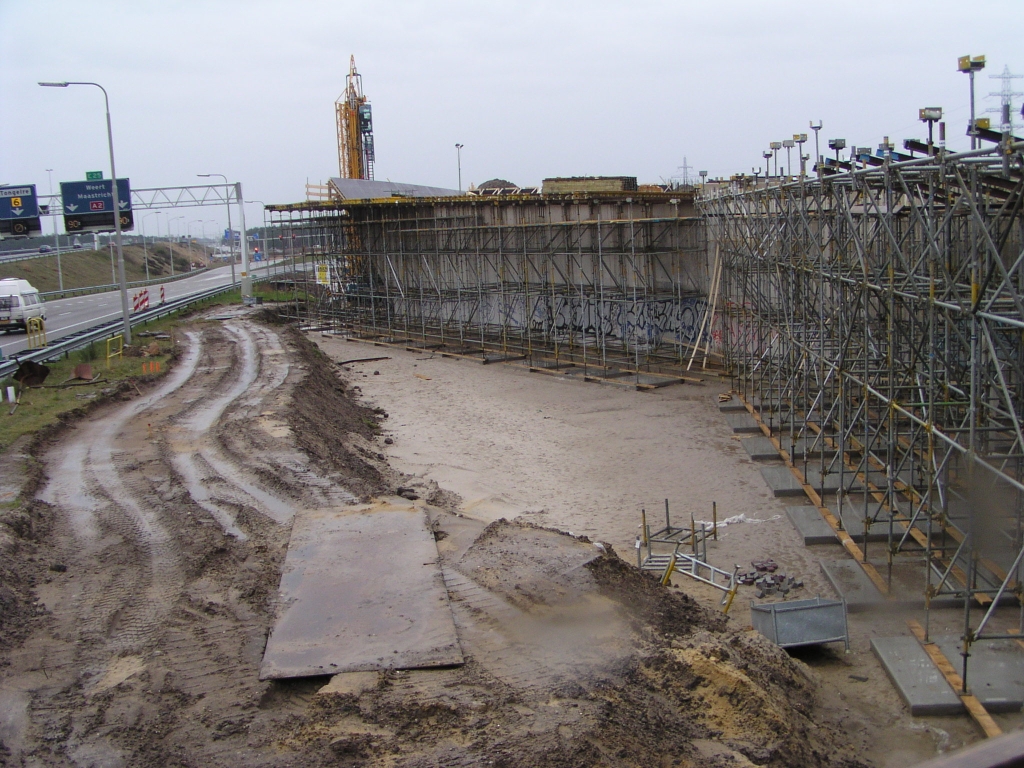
point(355, 129)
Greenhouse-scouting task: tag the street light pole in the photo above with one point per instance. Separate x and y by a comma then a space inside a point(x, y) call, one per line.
point(231, 235)
point(188, 236)
point(145, 250)
point(970, 65)
point(458, 152)
point(817, 152)
point(127, 326)
point(800, 138)
point(170, 244)
point(206, 253)
point(56, 237)
point(266, 246)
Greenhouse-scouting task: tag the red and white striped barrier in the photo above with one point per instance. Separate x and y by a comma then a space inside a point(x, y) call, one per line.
point(162, 298)
point(141, 300)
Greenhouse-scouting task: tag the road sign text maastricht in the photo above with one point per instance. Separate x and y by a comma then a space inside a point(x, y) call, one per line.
point(89, 205)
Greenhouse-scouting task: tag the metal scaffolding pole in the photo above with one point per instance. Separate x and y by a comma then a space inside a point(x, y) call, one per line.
point(875, 321)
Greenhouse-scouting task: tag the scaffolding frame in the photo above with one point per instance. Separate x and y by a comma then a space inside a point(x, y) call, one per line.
point(607, 285)
point(873, 321)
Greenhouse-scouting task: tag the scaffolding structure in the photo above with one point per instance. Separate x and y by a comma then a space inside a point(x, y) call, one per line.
point(873, 321)
point(610, 285)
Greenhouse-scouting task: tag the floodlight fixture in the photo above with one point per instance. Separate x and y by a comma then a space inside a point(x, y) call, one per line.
point(775, 146)
point(837, 144)
point(789, 144)
point(927, 114)
point(817, 151)
point(970, 63)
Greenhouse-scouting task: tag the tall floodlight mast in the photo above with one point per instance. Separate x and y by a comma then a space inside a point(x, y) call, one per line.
point(355, 129)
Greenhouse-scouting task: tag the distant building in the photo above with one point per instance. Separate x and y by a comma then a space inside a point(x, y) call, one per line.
point(590, 184)
point(364, 189)
point(500, 187)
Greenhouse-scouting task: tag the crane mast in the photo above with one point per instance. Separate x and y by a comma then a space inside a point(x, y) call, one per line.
point(355, 128)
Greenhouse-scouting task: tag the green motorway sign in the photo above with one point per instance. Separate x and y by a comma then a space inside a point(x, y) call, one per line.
point(94, 175)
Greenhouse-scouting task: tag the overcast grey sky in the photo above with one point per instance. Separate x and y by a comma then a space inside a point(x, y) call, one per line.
point(532, 89)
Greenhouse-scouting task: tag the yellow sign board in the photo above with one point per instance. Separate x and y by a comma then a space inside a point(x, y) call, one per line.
point(323, 274)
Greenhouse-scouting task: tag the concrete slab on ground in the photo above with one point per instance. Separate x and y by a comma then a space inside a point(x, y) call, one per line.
point(760, 448)
point(832, 484)
point(742, 423)
point(732, 406)
point(995, 671)
point(782, 481)
point(361, 590)
point(810, 525)
point(853, 521)
point(915, 677)
point(804, 445)
point(852, 584)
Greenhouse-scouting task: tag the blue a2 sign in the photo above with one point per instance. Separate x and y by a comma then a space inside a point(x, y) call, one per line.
point(81, 197)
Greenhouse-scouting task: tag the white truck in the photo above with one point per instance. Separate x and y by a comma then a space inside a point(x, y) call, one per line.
point(19, 302)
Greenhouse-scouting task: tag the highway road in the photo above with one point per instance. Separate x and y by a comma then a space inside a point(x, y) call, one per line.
point(67, 316)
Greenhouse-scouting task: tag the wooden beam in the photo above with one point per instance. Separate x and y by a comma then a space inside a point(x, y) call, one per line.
point(844, 537)
point(971, 703)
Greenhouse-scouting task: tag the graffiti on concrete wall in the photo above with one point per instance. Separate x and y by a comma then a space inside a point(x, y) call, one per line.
point(642, 322)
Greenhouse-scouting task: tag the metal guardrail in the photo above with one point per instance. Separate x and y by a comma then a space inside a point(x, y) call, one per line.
point(115, 286)
point(26, 256)
point(112, 328)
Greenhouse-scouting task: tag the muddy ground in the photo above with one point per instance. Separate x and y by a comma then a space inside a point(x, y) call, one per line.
point(140, 567)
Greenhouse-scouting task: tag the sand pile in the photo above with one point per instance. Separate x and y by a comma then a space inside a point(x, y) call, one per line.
point(575, 659)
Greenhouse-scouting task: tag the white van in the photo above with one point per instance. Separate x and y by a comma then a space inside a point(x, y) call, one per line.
point(19, 302)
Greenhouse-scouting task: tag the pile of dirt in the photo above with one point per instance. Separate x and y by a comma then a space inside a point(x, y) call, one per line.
point(576, 659)
point(328, 420)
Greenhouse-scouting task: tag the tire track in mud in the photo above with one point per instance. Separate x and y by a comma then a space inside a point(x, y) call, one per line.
point(218, 478)
point(198, 463)
point(70, 485)
point(279, 460)
point(87, 485)
point(171, 513)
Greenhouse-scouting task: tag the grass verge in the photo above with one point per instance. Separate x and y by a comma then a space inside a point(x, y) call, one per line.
point(41, 407)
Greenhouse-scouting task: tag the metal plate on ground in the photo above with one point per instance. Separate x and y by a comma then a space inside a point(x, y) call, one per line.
point(361, 590)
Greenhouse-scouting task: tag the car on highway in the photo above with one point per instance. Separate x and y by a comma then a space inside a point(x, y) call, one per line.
point(45, 249)
point(19, 303)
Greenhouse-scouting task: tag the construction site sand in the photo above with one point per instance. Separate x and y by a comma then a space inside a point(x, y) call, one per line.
point(585, 457)
point(140, 573)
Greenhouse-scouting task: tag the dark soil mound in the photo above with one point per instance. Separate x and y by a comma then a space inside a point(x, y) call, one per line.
point(323, 416)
